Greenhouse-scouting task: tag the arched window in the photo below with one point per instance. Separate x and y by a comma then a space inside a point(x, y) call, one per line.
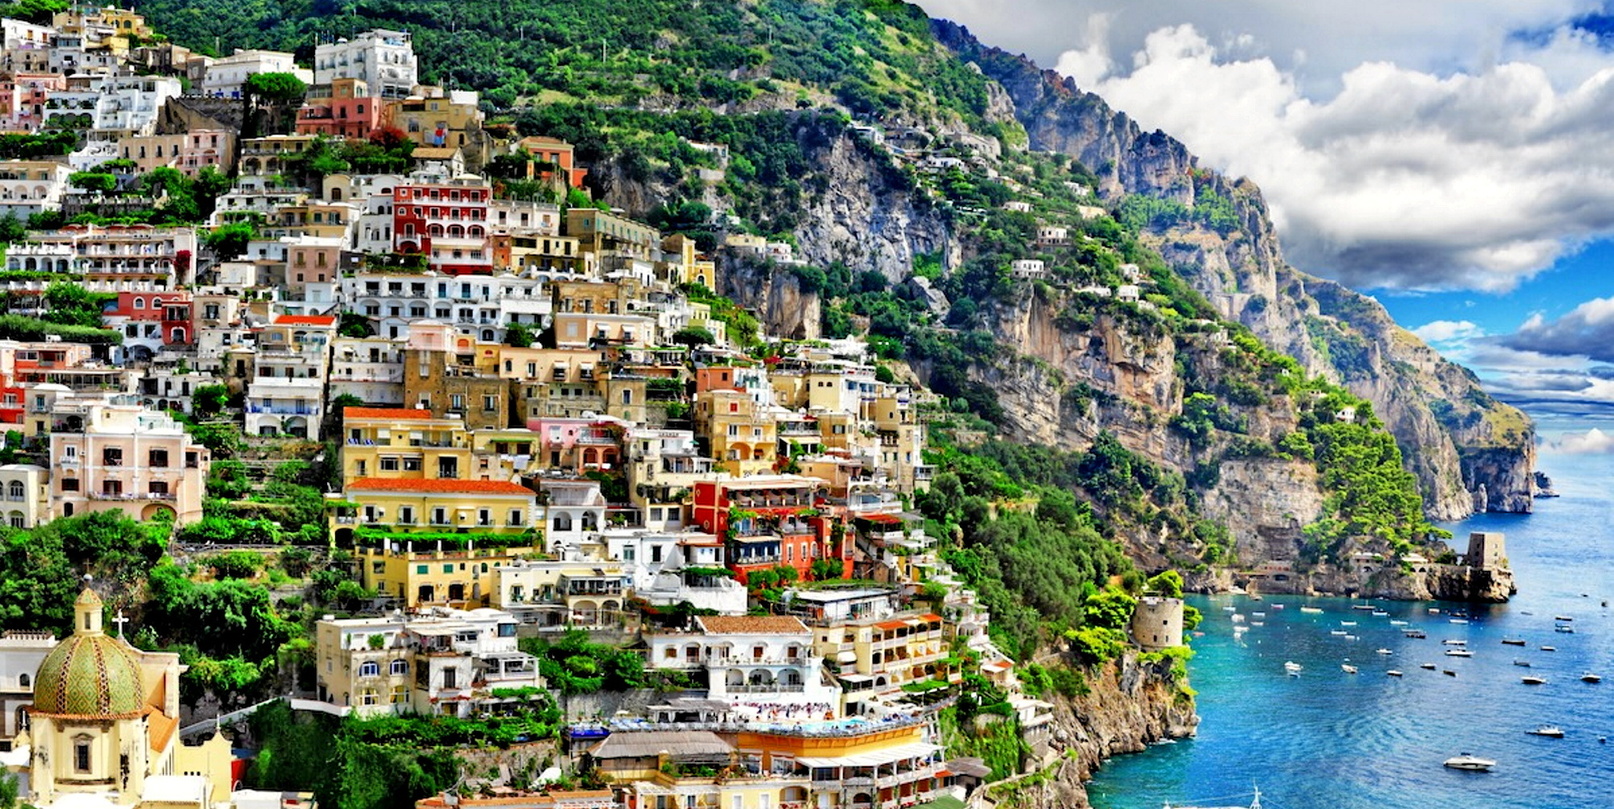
point(370, 669)
point(15, 490)
point(24, 680)
point(140, 303)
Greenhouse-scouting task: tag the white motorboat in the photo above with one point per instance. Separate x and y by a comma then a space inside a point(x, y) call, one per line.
point(1339, 632)
point(1471, 763)
point(1347, 623)
point(1292, 668)
point(1394, 672)
point(1311, 610)
point(1381, 651)
point(1459, 653)
point(1347, 668)
point(1454, 642)
point(1458, 620)
point(1562, 618)
point(1531, 679)
point(1564, 628)
point(1429, 666)
point(1589, 677)
point(1549, 731)
point(1380, 613)
point(1549, 648)
point(1394, 622)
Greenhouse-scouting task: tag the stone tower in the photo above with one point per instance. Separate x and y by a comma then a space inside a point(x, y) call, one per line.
point(1157, 623)
point(1486, 549)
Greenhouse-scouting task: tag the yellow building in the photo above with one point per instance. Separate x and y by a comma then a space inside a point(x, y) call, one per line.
point(477, 507)
point(742, 436)
point(403, 443)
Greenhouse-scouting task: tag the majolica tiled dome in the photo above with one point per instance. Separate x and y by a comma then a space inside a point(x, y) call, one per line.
point(90, 673)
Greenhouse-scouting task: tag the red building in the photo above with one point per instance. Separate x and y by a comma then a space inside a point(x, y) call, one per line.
point(170, 310)
point(343, 109)
point(775, 522)
point(447, 223)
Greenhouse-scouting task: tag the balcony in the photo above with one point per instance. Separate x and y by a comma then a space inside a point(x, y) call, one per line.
point(133, 496)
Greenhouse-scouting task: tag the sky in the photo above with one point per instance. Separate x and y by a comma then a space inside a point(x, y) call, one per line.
point(1452, 158)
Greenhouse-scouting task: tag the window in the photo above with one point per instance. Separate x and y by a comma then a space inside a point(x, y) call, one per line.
point(420, 570)
point(370, 669)
point(400, 693)
point(158, 458)
point(389, 464)
point(490, 403)
point(69, 484)
point(24, 680)
point(448, 568)
point(81, 754)
point(439, 516)
point(399, 667)
point(515, 516)
point(14, 490)
point(563, 522)
point(484, 517)
point(456, 402)
point(406, 515)
point(112, 456)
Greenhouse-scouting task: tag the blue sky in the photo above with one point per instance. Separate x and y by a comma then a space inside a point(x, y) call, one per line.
point(1452, 158)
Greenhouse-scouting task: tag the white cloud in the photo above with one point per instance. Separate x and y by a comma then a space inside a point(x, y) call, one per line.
point(1445, 331)
point(1427, 145)
point(1593, 441)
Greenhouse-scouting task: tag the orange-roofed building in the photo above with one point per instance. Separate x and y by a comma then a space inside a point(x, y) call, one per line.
point(487, 524)
point(396, 442)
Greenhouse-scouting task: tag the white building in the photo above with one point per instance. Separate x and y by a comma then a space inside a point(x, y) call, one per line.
point(228, 76)
point(28, 187)
point(749, 661)
point(1027, 268)
point(557, 594)
point(370, 368)
point(20, 656)
point(478, 305)
point(26, 491)
point(700, 588)
point(446, 662)
point(122, 104)
point(383, 59)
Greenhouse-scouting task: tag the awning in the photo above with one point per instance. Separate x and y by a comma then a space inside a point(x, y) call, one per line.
point(891, 625)
point(873, 759)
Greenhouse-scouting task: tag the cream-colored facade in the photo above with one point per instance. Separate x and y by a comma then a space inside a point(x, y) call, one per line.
point(743, 436)
point(130, 459)
point(886, 654)
point(562, 593)
point(25, 488)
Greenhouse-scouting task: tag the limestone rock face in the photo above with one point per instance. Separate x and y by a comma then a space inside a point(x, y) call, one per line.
point(1265, 503)
point(1453, 436)
point(1129, 705)
point(774, 294)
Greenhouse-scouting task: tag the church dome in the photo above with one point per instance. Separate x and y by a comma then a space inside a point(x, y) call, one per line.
point(89, 673)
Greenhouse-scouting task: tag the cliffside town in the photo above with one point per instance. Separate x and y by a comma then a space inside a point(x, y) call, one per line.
point(795, 405)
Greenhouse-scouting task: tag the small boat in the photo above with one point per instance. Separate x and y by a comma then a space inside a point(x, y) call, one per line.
point(1277, 606)
point(1363, 607)
point(1258, 614)
point(1380, 614)
point(1258, 623)
point(1533, 680)
point(1381, 651)
point(1429, 666)
point(1470, 763)
point(1589, 677)
point(1434, 610)
point(1347, 623)
point(1526, 612)
point(1458, 613)
point(1549, 648)
point(1237, 618)
point(1394, 622)
point(1562, 618)
point(1256, 597)
point(1549, 731)
point(1337, 632)
point(1519, 661)
point(1347, 668)
point(1292, 668)
point(1311, 610)
point(1352, 637)
point(1459, 653)
point(1455, 642)
point(1448, 672)
point(1564, 628)
point(1394, 672)
point(1414, 633)
point(1458, 620)
point(1513, 641)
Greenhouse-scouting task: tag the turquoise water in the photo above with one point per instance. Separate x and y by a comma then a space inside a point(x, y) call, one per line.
point(1331, 739)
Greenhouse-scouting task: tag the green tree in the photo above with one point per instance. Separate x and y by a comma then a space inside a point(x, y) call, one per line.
point(209, 400)
point(1166, 583)
point(95, 182)
point(229, 241)
point(275, 88)
point(693, 337)
point(518, 336)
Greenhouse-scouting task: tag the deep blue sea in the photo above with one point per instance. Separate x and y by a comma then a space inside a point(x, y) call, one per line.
point(1371, 741)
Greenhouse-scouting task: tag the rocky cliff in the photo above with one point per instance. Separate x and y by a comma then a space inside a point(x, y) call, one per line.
point(1468, 450)
point(1130, 704)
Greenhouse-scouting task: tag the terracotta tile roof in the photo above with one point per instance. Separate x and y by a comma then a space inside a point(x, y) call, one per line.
point(751, 624)
point(440, 486)
point(386, 413)
point(160, 729)
point(305, 320)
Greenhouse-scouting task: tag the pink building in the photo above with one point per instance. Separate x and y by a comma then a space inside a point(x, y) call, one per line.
point(342, 109)
point(22, 98)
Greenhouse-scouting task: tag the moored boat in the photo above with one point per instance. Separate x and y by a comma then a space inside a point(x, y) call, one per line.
point(1513, 641)
point(1429, 666)
point(1292, 668)
point(1519, 661)
point(1469, 762)
point(1549, 648)
point(1531, 679)
point(1550, 731)
point(1459, 653)
point(1311, 610)
point(1347, 668)
point(1394, 672)
point(1589, 677)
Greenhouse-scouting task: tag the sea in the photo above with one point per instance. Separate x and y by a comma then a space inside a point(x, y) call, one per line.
point(1329, 739)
